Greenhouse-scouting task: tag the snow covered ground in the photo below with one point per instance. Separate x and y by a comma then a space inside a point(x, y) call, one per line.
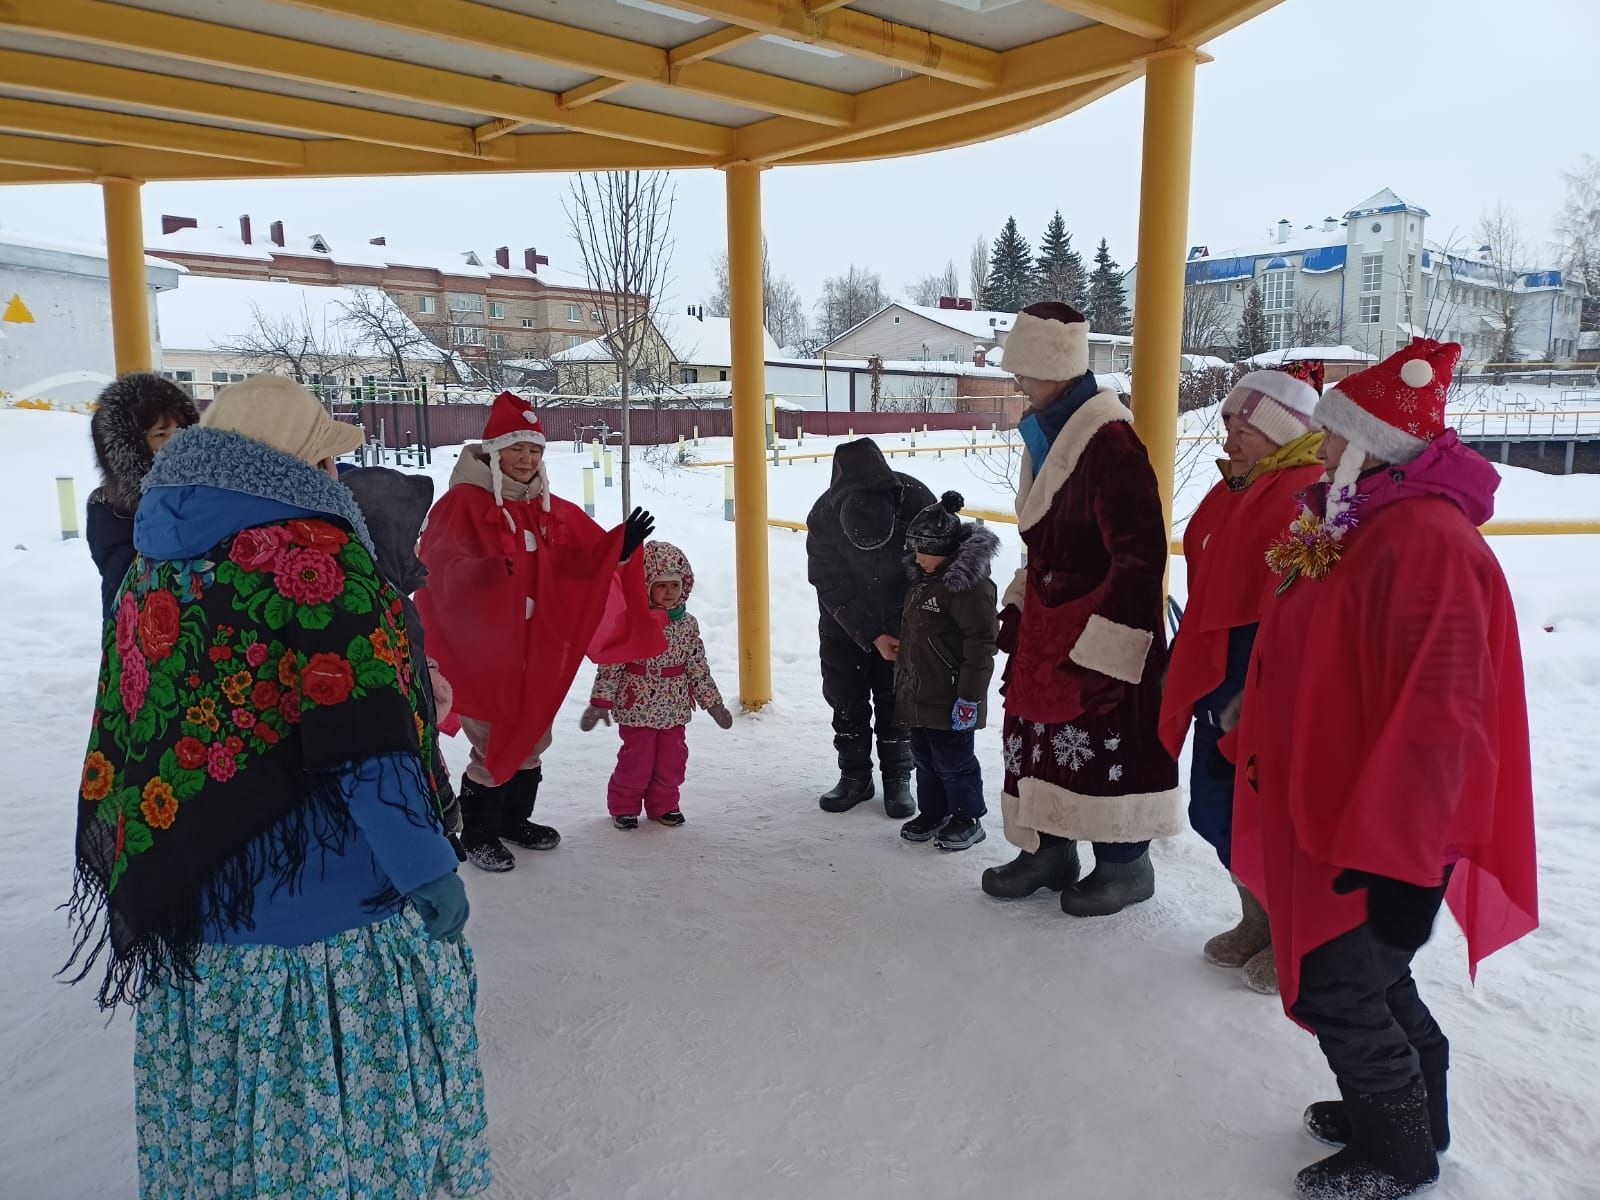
point(774, 1002)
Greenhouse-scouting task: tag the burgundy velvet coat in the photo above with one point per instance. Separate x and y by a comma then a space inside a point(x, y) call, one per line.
point(1091, 599)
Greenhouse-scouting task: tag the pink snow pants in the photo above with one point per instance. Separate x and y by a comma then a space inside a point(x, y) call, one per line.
point(650, 768)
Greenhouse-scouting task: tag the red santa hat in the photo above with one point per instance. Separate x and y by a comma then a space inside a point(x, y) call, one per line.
point(1390, 411)
point(512, 420)
point(1394, 409)
point(1048, 340)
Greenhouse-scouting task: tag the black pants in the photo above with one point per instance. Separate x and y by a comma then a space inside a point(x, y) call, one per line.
point(859, 686)
point(1104, 852)
point(1358, 996)
point(949, 780)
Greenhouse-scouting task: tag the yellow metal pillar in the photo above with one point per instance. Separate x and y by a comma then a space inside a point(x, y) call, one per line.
point(130, 295)
point(1163, 233)
point(749, 434)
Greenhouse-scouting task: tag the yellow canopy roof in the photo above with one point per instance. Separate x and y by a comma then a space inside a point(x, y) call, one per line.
point(201, 89)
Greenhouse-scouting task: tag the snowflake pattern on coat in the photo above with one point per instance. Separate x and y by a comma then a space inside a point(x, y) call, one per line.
point(1013, 754)
point(1072, 746)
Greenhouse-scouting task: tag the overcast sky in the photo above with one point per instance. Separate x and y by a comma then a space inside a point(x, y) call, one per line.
point(1456, 104)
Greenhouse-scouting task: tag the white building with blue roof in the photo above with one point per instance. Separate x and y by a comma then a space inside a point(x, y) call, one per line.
point(1373, 280)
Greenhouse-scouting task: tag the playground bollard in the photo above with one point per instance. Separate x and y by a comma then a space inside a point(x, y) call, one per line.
point(800, 434)
point(67, 498)
point(697, 435)
point(608, 466)
point(852, 435)
point(774, 453)
point(681, 455)
point(595, 446)
point(588, 491)
point(727, 493)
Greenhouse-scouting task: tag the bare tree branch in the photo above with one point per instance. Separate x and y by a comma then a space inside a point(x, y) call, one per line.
point(296, 343)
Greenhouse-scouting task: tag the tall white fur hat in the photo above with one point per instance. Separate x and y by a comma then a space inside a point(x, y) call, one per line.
point(1049, 340)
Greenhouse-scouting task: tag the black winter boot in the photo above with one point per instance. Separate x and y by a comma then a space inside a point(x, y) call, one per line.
point(1329, 1122)
point(1390, 1155)
point(1054, 865)
point(894, 760)
point(1110, 888)
point(482, 814)
point(922, 827)
point(854, 786)
point(515, 827)
point(960, 833)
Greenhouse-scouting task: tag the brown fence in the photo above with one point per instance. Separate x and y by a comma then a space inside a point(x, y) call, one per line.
point(839, 424)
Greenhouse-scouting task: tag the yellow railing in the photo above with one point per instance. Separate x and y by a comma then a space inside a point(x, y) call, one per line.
point(1492, 529)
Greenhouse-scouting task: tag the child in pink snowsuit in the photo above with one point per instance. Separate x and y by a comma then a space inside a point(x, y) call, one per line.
point(654, 698)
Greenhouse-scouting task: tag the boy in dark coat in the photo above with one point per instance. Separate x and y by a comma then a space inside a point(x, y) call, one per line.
point(854, 552)
point(941, 673)
point(134, 417)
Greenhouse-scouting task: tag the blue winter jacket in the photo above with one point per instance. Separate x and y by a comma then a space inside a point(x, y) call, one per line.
point(394, 841)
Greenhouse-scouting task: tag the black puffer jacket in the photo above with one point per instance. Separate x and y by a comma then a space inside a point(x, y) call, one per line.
point(126, 409)
point(861, 589)
point(947, 635)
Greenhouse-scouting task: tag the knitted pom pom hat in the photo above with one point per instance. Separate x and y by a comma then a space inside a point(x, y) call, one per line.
point(938, 528)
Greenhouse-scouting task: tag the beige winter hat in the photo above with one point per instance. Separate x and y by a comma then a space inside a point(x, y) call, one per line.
point(280, 413)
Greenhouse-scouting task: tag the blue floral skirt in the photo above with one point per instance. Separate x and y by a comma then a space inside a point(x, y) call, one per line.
point(344, 1069)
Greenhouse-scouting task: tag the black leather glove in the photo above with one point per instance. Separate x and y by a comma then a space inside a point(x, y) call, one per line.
point(1400, 914)
point(636, 530)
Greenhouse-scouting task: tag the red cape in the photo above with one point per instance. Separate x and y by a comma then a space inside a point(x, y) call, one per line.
point(1224, 550)
point(508, 668)
point(1385, 729)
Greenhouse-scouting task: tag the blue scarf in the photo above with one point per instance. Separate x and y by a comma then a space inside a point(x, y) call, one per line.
point(1039, 429)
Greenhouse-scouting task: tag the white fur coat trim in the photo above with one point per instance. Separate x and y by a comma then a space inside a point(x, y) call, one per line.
point(1116, 650)
point(1046, 808)
point(1036, 491)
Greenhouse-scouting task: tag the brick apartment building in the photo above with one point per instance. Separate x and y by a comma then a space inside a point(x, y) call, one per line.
point(508, 305)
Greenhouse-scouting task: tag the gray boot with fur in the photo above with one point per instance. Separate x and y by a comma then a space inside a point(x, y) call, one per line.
point(1245, 940)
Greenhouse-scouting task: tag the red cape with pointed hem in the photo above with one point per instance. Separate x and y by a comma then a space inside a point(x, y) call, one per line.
point(507, 667)
point(1385, 729)
point(1224, 549)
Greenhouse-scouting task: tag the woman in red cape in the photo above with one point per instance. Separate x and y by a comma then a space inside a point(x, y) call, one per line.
point(1272, 458)
point(1384, 763)
point(521, 587)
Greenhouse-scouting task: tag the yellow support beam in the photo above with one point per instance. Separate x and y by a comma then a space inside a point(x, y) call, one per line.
point(184, 39)
point(56, 120)
point(505, 32)
point(970, 128)
point(55, 156)
point(860, 36)
point(130, 293)
point(74, 79)
point(1083, 56)
point(709, 46)
point(37, 175)
point(587, 93)
point(1163, 239)
point(749, 435)
point(1146, 18)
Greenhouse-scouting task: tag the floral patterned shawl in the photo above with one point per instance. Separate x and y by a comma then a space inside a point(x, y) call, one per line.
point(233, 689)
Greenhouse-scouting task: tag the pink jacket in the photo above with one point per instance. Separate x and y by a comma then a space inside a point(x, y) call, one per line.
point(662, 692)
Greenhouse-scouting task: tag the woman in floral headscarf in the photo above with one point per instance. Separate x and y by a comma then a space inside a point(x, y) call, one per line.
point(259, 856)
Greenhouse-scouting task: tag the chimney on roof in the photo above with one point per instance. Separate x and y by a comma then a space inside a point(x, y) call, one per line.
point(378, 241)
point(979, 356)
point(532, 260)
point(697, 311)
point(275, 231)
point(244, 229)
point(170, 224)
point(1329, 224)
point(947, 302)
point(502, 256)
point(1283, 229)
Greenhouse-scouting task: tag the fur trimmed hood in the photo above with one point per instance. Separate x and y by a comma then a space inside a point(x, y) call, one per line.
point(200, 458)
point(969, 565)
point(126, 408)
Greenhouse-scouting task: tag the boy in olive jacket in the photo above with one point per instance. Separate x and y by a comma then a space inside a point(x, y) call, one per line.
point(942, 669)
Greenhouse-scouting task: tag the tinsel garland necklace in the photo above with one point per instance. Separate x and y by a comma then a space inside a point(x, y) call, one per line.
point(1313, 544)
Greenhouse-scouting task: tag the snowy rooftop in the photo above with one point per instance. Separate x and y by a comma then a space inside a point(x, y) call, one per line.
point(976, 322)
point(9, 237)
point(1275, 358)
point(226, 242)
point(204, 312)
point(695, 341)
point(1387, 200)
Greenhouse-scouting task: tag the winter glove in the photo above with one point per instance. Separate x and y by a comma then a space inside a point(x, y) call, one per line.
point(1010, 625)
point(636, 530)
point(721, 716)
point(442, 906)
point(1400, 914)
point(1099, 693)
point(964, 715)
point(592, 716)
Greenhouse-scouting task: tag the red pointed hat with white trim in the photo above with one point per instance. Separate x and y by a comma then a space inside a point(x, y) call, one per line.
point(511, 420)
point(1393, 409)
